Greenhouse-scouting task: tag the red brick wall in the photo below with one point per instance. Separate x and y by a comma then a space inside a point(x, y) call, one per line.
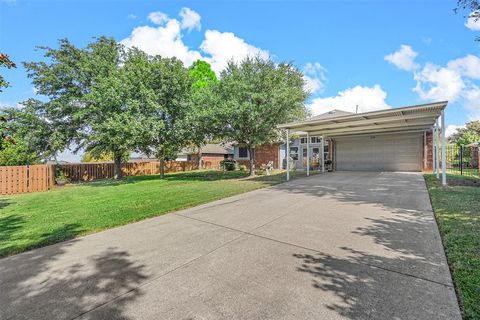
point(267, 153)
point(212, 160)
point(263, 155)
point(429, 164)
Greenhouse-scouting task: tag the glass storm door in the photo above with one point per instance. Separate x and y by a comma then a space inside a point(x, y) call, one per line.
point(315, 157)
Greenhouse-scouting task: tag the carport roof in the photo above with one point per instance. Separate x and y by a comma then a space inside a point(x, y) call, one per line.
point(404, 119)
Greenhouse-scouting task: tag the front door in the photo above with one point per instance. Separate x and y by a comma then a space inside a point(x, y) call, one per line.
point(314, 157)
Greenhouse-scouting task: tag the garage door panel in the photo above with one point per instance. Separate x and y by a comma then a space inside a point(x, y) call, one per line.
point(400, 152)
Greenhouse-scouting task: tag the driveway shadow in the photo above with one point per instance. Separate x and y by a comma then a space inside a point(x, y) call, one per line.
point(50, 284)
point(404, 275)
point(361, 291)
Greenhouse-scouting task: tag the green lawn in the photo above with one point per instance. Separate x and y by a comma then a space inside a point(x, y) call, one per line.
point(457, 209)
point(37, 219)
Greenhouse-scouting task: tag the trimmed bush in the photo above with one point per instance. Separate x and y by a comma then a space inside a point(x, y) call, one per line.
point(228, 165)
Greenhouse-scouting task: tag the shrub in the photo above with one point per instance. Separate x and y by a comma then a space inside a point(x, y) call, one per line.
point(228, 165)
point(60, 177)
point(242, 167)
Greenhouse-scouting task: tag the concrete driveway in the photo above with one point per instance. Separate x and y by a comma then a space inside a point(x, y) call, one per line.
point(342, 245)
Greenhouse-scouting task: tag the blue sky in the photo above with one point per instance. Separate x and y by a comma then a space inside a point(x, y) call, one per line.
point(371, 53)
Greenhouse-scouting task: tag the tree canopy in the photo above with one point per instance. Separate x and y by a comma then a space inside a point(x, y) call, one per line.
point(92, 95)
point(164, 119)
point(469, 134)
point(202, 120)
point(255, 96)
point(7, 63)
point(472, 7)
point(16, 152)
point(110, 100)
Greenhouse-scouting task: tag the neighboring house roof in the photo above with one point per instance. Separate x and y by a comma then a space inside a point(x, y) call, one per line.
point(212, 148)
point(331, 114)
point(219, 148)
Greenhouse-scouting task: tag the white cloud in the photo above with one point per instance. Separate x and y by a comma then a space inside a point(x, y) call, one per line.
point(131, 16)
point(158, 17)
point(190, 19)
point(451, 129)
point(222, 47)
point(438, 83)
point(454, 82)
point(472, 102)
point(217, 48)
point(8, 105)
point(163, 40)
point(468, 66)
point(404, 58)
point(314, 74)
point(367, 99)
point(473, 21)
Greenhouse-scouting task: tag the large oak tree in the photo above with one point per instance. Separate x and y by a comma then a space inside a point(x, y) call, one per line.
point(92, 96)
point(254, 97)
point(164, 120)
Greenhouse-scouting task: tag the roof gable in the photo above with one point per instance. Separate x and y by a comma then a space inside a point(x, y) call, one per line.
point(331, 114)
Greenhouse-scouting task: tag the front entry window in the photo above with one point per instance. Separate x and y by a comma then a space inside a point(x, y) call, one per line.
point(315, 157)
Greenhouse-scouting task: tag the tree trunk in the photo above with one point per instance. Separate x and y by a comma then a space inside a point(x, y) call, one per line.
point(117, 166)
point(199, 155)
point(252, 161)
point(161, 158)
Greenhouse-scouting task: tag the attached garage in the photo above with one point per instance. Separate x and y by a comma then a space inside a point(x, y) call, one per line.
point(388, 152)
point(397, 139)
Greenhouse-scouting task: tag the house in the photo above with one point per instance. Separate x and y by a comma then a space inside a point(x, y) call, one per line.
point(397, 139)
point(211, 153)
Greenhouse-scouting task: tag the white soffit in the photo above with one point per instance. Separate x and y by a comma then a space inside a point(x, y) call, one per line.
point(411, 118)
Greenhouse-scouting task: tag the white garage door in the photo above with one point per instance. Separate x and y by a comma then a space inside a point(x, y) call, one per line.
point(396, 152)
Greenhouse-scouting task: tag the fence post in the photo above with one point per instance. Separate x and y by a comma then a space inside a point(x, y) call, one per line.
point(461, 160)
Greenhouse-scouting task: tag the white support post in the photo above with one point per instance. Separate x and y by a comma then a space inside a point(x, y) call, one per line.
point(437, 165)
point(287, 156)
point(444, 156)
point(308, 154)
point(323, 154)
point(434, 161)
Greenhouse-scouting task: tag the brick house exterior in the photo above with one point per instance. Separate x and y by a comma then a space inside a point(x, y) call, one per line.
point(263, 155)
point(211, 160)
point(276, 153)
point(212, 155)
point(428, 147)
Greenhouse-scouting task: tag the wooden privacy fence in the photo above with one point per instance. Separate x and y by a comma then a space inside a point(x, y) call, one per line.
point(93, 171)
point(20, 179)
